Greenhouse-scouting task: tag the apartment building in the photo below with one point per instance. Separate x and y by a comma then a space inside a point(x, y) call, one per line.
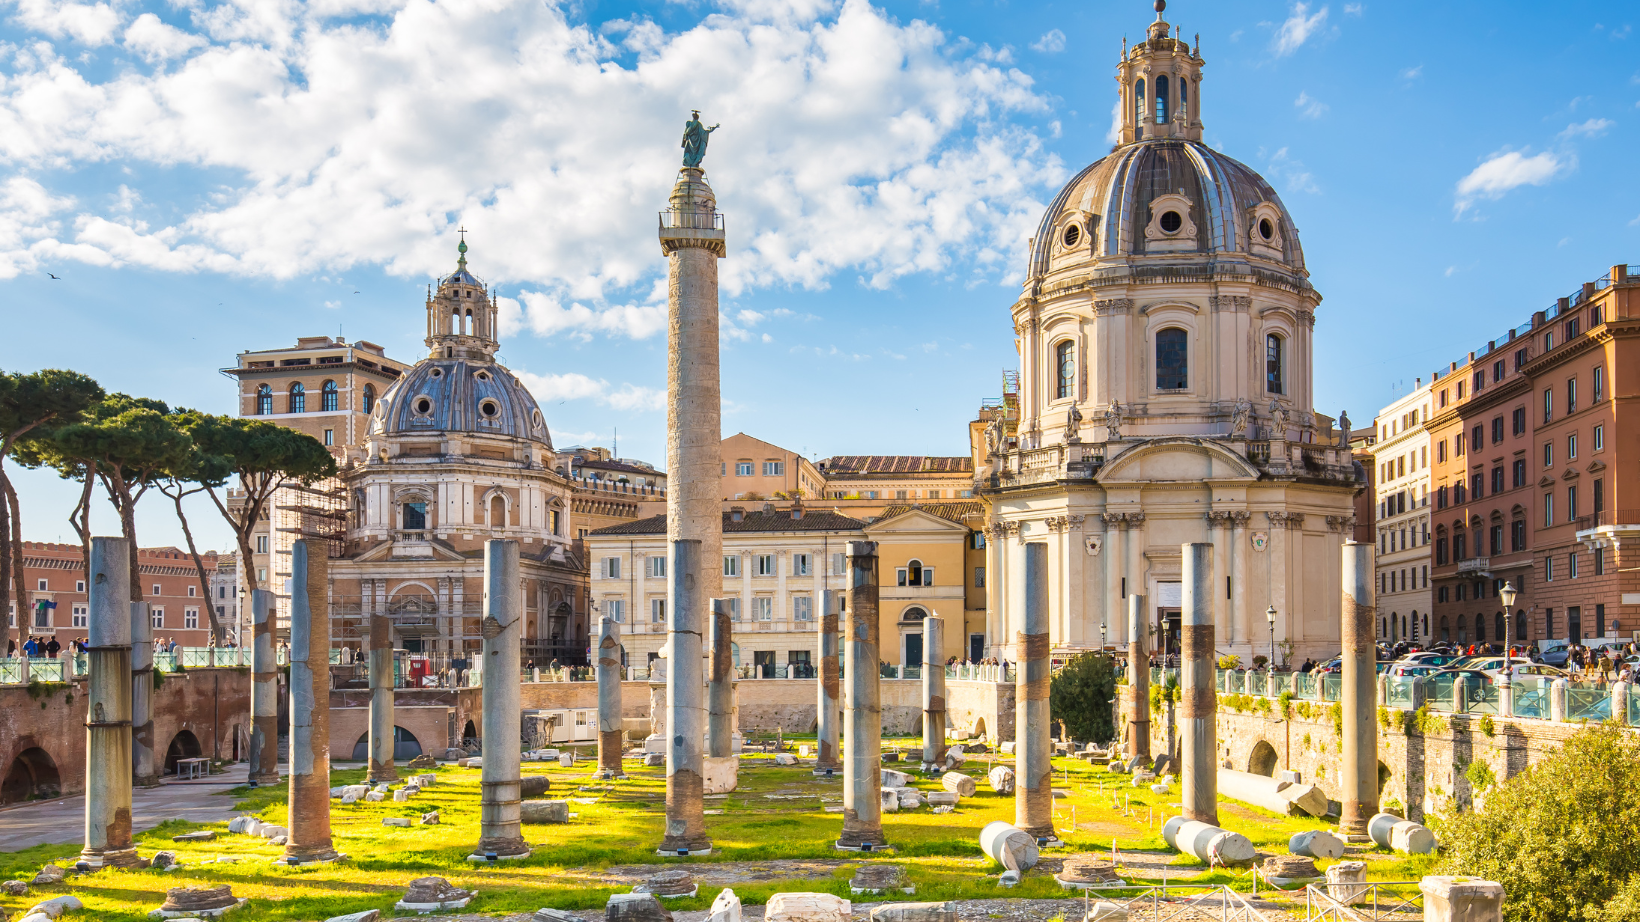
point(1400, 478)
point(58, 605)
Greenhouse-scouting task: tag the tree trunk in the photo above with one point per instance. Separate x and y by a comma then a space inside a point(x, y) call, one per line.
point(80, 519)
point(119, 496)
point(199, 567)
point(17, 577)
point(5, 563)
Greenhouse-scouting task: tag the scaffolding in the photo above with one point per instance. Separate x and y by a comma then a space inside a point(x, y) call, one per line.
point(316, 511)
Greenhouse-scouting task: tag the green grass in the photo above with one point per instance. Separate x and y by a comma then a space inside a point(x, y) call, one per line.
point(623, 826)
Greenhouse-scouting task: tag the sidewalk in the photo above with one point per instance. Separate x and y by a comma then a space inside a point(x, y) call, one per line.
point(61, 820)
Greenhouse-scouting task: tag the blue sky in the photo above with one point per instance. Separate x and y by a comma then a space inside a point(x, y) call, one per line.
point(211, 177)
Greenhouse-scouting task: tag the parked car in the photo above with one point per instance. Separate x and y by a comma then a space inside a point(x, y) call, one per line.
point(1411, 670)
point(1555, 655)
point(1427, 659)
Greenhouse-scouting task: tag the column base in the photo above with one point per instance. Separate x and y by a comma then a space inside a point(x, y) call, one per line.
point(113, 858)
point(697, 849)
point(151, 781)
point(604, 774)
point(872, 847)
point(306, 857)
point(828, 772)
point(259, 780)
point(485, 857)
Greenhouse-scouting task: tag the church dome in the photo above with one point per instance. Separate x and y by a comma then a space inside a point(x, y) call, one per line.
point(459, 395)
point(1170, 196)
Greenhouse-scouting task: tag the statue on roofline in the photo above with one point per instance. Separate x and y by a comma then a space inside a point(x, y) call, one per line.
point(695, 136)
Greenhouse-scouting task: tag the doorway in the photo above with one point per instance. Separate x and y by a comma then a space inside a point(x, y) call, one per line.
point(763, 660)
point(1170, 620)
point(912, 649)
point(976, 647)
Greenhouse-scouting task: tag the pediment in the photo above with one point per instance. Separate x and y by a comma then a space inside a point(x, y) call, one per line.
point(913, 520)
point(1177, 460)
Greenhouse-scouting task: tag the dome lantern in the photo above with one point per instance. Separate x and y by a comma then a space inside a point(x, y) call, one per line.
point(461, 315)
point(1160, 80)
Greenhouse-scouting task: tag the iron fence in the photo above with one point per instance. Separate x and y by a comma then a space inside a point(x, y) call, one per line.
point(1390, 901)
point(1165, 902)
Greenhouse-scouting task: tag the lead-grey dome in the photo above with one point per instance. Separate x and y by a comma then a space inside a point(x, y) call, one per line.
point(1113, 207)
point(459, 395)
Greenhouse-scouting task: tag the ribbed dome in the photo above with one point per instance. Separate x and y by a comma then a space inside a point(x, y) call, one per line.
point(458, 395)
point(1119, 207)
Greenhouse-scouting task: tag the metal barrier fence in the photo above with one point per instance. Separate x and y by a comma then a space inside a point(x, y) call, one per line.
point(1181, 901)
point(1377, 902)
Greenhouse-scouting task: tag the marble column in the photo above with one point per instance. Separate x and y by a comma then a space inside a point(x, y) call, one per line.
point(830, 701)
point(308, 813)
point(685, 715)
point(1198, 747)
point(381, 768)
point(996, 587)
point(720, 686)
point(933, 691)
point(1138, 687)
point(108, 709)
point(863, 767)
point(1033, 783)
point(264, 749)
point(1360, 686)
point(144, 770)
point(500, 833)
point(610, 727)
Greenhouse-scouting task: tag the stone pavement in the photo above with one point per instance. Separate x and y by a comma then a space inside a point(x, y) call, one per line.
point(61, 820)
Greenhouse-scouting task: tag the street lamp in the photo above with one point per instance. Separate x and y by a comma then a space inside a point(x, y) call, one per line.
point(1270, 616)
point(1101, 637)
point(1506, 695)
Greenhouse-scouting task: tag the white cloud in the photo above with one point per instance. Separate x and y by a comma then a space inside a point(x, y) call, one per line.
point(156, 41)
point(1051, 42)
point(1114, 135)
point(851, 143)
point(86, 23)
point(1291, 172)
point(28, 211)
point(1310, 107)
point(1508, 170)
point(1298, 28)
point(333, 305)
point(551, 388)
point(1593, 128)
point(1354, 9)
point(1635, 222)
point(1412, 73)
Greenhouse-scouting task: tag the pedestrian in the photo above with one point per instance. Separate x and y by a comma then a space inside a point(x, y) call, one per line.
point(53, 648)
point(31, 648)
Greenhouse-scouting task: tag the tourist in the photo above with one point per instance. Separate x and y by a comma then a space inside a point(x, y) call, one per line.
point(53, 648)
point(31, 647)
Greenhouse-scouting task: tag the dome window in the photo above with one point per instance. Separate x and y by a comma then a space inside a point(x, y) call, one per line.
point(1172, 360)
point(489, 408)
point(1065, 353)
point(536, 418)
point(483, 376)
point(1171, 222)
point(1073, 235)
point(1266, 229)
point(437, 373)
point(424, 406)
point(1170, 229)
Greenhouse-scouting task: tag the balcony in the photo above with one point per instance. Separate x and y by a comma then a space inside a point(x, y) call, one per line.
point(1475, 565)
point(1608, 527)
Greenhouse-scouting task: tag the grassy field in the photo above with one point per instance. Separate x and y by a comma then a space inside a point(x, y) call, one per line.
point(776, 813)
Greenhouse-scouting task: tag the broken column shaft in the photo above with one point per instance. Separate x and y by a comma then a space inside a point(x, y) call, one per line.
point(381, 768)
point(309, 811)
point(720, 685)
point(685, 718)
point(1033, 784)
point(264, 748)
point(500, 834)
point(609, 699)
point(108, 709)
point(1360, 692)
point(144, 771)
point(830, 700)
point(1138, 686)
point(933, 691)
point(863, 769)
point(1197, 702)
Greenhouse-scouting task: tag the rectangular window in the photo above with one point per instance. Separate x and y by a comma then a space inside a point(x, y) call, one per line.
point(1520, 358)
point(1065, 353)
point(156, 590)
point(1548, 454)
point(731, 565)
point(1571, 395)
point(734, 609)
point(1460, 390)
point(657, 566)
point(157, 615)
point(1497, 371)
point(1599, 495)
point(1173, 360)
point(1548, 341)
point(743, 468)
point(765, 565)
point(1480, 381)
point(901, 494)
point(657, 611)
point(612, 568)
point(261, 544)
point(1571, 565)
point(763, 608)
point(190, 618)
point(1571, 503)
point(1497, 430)
point(979, 577)
point(1548, 509)
point(1518, 472)
point(80, 617)
point(1443, 397)
point(1440, 451)
point(330, 436)
point(774, 468)
point(1440, 552)
point(1478, 485)
point(1477, 438)
point(802, 608)
point(1517, 421)
point(1495, 539)
point(1599, 437)
point(1599, 561)
point(800, 565)
point(839, 565)
point(193, 591)
point(557, 520)
point(1599, 383)
point(932, 494)
point(1517, 535)
point(1571, 447)
point(1548, 404)
point(1497, 479)
point(79, 585)
point(40, 585)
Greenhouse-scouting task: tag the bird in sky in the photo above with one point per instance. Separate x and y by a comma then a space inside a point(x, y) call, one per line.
point(58, 278)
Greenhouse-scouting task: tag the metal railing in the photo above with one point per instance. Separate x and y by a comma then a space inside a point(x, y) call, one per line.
point(691, 220)
point(1183, 901)
point(1364, 902)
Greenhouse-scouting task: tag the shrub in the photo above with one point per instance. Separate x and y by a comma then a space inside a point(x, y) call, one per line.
point(1081, 694)
point(1487, 727)
point(1286, 701)
point(1559, 835)
point(1230, 661)
point(1336, 714)
point(1480, 776)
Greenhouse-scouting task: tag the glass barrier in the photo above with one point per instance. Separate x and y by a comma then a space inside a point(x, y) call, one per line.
point(1332, 687)
point(1634, 707)
point(1587, 702)
point(1304, 685)
point(1258, 683)
point(1532, 697)
point(1438, 691)
point(1483, 697)
point(910, 672)
point(165, 662)
point(1280, 683)
point(41, 669)
point(1398, 692)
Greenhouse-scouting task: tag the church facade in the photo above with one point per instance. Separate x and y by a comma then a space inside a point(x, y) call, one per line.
point(1164, 396)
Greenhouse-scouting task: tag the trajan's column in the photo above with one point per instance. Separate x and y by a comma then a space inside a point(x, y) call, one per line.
point(691, 234)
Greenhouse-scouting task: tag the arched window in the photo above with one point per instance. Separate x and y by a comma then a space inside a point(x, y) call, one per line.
point(1184, 98)
point(1272, 364)
point(298, 398)
point(1426, 624)
point(468, 325)
point(1172, 359)
point(1520, 625)
point(498, 512)
point(369, 398)
point(913, 614)
point(327, 397)
point(915, 574)
point(1460, 548)
point(1065, 354)
point(1161, 100)
point(1500, 625)
point(1139, 105)
point(1480, 628)
point(1446, 633)
point(264, 401)
point(455, 322)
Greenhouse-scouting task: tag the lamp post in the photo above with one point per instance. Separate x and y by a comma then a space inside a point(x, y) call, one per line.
point(1506, 695)
point(1102, 627)
point(1270, 616)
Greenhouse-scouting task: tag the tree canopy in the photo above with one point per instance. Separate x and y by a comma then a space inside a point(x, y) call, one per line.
point(1081, 694)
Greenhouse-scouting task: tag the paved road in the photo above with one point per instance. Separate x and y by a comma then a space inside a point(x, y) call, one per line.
point(62, 820)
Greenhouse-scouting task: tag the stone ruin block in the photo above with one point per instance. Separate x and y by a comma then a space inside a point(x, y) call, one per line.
point(725, 907)
point(431, 894)
point(197, 902)
point(915, 912)
point(544, 811)
point(635, 907)
point(806, 907)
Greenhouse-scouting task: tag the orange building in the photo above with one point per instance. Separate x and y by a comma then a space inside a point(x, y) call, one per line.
point(55, 575)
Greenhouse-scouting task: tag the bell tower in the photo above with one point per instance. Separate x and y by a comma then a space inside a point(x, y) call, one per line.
point(1160, 80)
point(461, 316)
